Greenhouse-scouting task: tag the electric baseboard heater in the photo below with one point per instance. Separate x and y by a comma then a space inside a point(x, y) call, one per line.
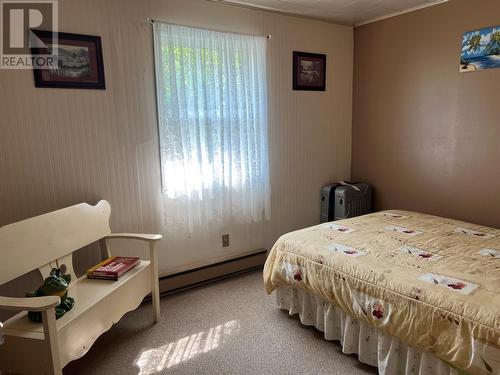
point(344, 200)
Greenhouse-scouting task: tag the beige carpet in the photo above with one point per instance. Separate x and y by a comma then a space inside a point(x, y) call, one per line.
point(228, 327)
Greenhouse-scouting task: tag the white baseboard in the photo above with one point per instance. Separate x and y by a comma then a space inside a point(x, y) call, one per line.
point(211, 272)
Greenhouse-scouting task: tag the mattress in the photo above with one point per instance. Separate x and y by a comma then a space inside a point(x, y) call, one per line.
point(431, 282)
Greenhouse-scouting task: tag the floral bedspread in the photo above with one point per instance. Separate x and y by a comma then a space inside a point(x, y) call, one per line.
point(432, 282)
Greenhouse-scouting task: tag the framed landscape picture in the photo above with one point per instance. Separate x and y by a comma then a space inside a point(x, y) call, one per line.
point(309, 71)
point(79, 61)
point(480, 49)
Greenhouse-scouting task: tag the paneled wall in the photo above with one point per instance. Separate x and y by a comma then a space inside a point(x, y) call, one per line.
point(426, 135)
point(63, 146)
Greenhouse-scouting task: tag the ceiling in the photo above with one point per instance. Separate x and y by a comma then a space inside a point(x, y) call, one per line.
point(348, 12)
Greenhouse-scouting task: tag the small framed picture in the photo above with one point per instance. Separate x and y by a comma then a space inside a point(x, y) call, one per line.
point(480, 49)
point(309, 71)
point(79, 61)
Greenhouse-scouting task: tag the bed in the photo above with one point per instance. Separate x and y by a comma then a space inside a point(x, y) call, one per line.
point(409, 293)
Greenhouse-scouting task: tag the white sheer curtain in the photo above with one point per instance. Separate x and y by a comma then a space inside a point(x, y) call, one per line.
point(212, 110)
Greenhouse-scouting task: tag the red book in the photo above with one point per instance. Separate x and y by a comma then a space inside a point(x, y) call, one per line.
point(112, 268)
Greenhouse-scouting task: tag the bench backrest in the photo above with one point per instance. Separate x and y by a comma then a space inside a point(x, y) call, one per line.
point(36, 242)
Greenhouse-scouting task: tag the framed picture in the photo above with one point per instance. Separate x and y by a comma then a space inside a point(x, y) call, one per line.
point(480, 49)
point(79, 61)
point(309, 71)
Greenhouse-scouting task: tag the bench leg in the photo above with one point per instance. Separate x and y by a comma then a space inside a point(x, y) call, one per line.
point(155, 288)
point(51, 340)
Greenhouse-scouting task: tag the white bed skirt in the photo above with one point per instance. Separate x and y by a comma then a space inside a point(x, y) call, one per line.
point(391, 356)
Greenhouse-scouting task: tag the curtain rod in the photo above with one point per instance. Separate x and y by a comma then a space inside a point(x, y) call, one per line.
point(151, 21)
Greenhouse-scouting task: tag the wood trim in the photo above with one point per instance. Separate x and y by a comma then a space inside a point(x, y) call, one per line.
point(278, 12)
point(400, 12)
point(321, 19)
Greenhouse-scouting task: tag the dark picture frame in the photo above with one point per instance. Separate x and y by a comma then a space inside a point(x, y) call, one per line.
point(80, 61)
point(309, 71)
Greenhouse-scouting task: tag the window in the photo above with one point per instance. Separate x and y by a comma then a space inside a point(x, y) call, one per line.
point(212, 113)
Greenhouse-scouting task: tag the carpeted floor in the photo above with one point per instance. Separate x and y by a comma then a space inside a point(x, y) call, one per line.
point(228, 327)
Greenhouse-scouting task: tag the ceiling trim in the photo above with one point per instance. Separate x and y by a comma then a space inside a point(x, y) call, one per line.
point(288, 14)
point(275, 11)
point(399, 12)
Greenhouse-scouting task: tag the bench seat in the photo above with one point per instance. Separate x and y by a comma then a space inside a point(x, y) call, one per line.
point(45, 348)
point(91, 316)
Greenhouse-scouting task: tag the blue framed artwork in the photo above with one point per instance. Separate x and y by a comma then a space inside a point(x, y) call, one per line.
point(480, 49)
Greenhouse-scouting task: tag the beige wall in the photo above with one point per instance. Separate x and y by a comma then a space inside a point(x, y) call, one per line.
point(60, 146)
point(424, 134)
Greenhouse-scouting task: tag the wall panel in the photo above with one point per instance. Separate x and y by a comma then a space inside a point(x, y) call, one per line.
point(425, 134)
point(63, 146)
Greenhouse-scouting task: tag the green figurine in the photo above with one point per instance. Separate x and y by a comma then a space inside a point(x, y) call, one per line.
point(54, 285)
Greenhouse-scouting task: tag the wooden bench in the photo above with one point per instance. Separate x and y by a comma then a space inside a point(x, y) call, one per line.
point(37, 243)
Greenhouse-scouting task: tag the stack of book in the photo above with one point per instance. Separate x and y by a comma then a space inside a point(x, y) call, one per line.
point(112, 268)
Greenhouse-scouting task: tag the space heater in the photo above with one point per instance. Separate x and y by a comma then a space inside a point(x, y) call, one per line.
point(344, 200)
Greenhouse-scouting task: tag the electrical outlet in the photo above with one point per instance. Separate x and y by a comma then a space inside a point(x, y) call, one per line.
point(225, 240)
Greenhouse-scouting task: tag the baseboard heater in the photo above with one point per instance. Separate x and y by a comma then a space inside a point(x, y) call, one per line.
point(212, 272)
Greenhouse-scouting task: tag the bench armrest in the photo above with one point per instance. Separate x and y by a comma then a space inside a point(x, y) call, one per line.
point(29, 304)
point(152, 240)
point(136, 236)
